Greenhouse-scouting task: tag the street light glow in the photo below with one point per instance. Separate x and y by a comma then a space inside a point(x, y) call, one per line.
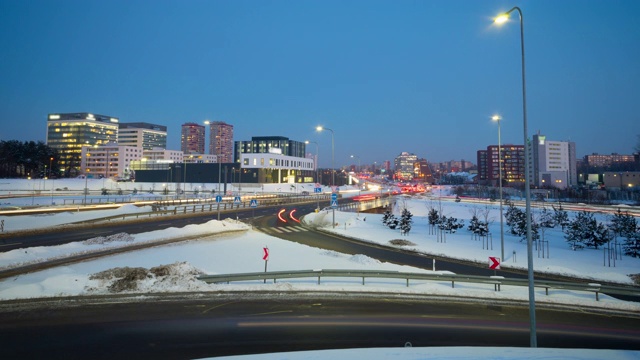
point(496, 118)
point(501, 19)
point(319, 128)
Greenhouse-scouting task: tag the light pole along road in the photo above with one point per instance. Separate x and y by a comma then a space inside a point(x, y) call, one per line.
point(532, 303)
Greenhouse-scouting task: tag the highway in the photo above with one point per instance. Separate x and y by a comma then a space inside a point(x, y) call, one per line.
point(218, 324)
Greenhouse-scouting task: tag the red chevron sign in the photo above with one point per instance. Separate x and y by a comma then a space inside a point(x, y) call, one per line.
point(494, 263)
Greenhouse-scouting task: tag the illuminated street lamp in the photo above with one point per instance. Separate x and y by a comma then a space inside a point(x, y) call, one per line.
point(532, 307)
point(497, 118)
point(316, 160)
point(333, 173)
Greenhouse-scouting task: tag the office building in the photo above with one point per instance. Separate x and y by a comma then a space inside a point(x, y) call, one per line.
point(553, 163)
point(192, 138)
point(513, 164)
point(68, 133)
point(221, 141)
point(270, 144)
point(144, 135)
point(110, 160)
point(405, 166)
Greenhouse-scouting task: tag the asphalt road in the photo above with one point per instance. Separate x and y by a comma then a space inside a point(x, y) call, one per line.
point(228, 325)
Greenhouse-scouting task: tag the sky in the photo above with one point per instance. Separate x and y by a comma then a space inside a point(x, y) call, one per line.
point(387, 77)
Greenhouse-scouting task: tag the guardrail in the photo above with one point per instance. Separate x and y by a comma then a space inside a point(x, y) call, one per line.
point(496, 281)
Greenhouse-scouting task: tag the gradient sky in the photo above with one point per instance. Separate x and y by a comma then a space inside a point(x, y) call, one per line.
point(386, 76)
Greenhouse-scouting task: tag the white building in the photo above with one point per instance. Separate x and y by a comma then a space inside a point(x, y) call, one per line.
point(553, 163)
point(200, 158)
point(109, 160)
point(163, 154)
point(280, 168)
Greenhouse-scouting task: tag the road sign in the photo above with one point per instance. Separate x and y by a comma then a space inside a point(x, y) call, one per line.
point(334, 203)
point(266, 254)
point(318, 185)
point(317, 190)
point(254, 203)
point(236, 200)
point(218, 198)
point(494, 263)
point(334, 197)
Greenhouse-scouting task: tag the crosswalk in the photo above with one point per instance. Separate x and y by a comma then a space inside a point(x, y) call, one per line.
point(282, 230)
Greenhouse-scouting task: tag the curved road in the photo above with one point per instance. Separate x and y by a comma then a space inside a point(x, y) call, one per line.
point(225, 324)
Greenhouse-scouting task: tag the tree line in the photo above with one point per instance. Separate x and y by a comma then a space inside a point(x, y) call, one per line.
point(27, 159)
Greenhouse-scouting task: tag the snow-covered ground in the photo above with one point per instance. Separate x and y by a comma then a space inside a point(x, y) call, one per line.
point(218, 251)
point(230, 247)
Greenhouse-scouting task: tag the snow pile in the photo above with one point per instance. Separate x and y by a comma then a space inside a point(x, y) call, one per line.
point(179, 276)
point(364, 260)
point(101, 240)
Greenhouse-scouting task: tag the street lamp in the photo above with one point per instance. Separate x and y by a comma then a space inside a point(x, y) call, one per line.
point(532, 309)
point(497, 118)
point(333, 173)
point(50, 161)
point(316, 160)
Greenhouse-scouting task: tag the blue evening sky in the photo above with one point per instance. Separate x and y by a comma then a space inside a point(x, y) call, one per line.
point(386, 76)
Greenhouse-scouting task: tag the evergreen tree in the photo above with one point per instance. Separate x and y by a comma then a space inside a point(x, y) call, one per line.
point(392, 223)
point(434, 217)
point(585, 230)
point(547, 219)
point(560, 216)
point(473, 224)
point(626, 225)
point(386, 217)
point(406, 221)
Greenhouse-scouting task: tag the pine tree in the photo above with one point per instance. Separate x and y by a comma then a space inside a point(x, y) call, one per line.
point(386, 217)
point(434, 217)
point(560, 216)
point(406, 221)
point(547, 219)
point(585, 230)
point(473, 224)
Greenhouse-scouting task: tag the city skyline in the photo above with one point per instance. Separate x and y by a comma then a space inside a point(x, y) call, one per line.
point(387, 77)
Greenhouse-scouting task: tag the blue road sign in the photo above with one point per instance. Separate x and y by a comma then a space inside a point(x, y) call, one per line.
point(254, 203)
point(334, 203)
point(317, 190)
point(218, 198)
point(236, 200)
point(334, 197)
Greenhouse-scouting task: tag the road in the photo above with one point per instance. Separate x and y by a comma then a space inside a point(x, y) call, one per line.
point(229, 325)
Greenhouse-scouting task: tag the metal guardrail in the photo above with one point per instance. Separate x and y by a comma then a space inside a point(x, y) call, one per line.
point(496, 281)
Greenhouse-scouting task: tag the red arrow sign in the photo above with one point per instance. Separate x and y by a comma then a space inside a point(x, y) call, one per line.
point(494, 263)
point(266, 254)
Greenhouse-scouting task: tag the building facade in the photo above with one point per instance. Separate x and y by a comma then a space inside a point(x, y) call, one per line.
point(192, 138)
point(221, 141)
point(270, 145)
point(422, 171)
point(69, 133)
point(405, 166)
point(111, 160)
point(513, 165)
point(144, 135)
point(597, 160)
point(553, 163)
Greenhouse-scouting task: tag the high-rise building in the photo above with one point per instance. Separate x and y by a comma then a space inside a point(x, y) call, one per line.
point(221, 141)
point(192, 138)
point(422, 171)
point(143, 135)
point(553, 163)
point(68, 133)
point(597, 160)
point(405, 166)
point(512, 165)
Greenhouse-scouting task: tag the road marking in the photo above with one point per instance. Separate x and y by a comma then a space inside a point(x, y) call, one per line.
point(217, 306)
point(300, 228)
point(274, 229)
point(286, 230)
point(11, 244)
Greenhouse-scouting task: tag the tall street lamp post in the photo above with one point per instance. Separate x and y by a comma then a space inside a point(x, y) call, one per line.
point(184, 178)
point(316, 160)
point(333, 172)
point(498, 118)
point(532, 306)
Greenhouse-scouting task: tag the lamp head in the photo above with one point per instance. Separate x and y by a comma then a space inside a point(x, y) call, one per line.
point(496, 118)
point(319, 128)
point(501, 19)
